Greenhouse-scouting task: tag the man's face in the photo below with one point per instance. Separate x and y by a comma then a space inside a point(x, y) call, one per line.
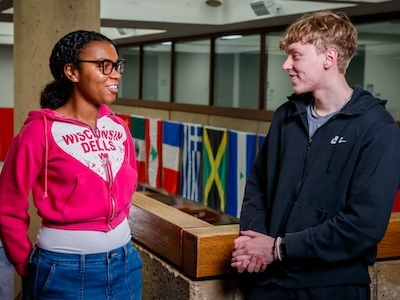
point(305, 67)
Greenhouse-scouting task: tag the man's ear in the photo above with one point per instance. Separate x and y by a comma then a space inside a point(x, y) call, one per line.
point(71, 72)
point(331, 56)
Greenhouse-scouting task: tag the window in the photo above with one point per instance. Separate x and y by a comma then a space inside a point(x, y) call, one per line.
point(377, 62)
point(129, 85)
point(156, 72)
point(277, 84)
point(237, 68)
point(192, 72)
point(237, 64)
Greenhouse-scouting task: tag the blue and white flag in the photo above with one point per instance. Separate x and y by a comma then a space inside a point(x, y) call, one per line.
point(260, 141)
point(192, 138)
point(241, 154)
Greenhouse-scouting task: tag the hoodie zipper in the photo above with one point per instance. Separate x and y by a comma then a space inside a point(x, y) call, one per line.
point(297, 188)
point(108, 169)
point(109, 177)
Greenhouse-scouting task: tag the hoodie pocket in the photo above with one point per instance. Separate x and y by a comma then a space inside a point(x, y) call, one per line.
point(89, 199)
point(125, 185)
point(303, 216)
point(293, 217)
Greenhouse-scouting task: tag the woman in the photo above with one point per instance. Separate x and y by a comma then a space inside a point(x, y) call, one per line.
point(78, 160)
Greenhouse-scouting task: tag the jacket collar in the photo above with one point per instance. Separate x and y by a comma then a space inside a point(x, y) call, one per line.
point(360, 102)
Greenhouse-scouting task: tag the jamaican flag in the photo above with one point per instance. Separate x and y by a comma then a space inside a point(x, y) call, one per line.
point(214, 167)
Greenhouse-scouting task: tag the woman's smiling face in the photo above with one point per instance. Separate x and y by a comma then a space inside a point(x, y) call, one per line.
point(92, 85)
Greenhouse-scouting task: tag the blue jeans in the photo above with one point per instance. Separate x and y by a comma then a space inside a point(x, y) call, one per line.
point(114, 275)
point(6, 277)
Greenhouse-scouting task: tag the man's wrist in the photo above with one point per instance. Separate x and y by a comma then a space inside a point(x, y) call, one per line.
point(279, 250)
point(282, 249)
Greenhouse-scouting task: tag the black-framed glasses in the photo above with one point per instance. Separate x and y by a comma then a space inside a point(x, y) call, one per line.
point(107, 66)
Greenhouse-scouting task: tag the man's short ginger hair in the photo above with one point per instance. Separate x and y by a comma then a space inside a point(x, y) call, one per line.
point(324, 30)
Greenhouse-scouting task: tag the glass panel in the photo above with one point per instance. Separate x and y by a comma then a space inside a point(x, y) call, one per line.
point(192, 72)
point(376, 65)
point(237, 61)
point(129, 85)
point(378, 62)
point(156, 72)
point(277, 82)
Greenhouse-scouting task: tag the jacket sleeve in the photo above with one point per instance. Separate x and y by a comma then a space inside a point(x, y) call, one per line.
point(254, 211)
point(22, 166)
point(362, 222)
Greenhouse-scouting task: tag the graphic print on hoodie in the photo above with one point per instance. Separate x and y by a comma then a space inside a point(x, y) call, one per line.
point(93, 148)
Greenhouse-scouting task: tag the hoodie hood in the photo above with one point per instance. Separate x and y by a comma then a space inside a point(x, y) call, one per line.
point(360, 102)
point(49, 114)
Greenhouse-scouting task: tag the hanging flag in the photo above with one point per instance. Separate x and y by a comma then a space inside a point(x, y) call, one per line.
point(214, 167)
point(153, 151)
point(241, 154)
point(192, 136)
point(260, 141)
point(396, 205)
point(171, 156)
point(138, 133)
point(125, 118)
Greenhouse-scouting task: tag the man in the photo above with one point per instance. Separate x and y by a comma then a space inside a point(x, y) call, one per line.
point(320, 193)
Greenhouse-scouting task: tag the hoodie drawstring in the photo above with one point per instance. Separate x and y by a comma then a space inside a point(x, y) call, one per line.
point(46, 156)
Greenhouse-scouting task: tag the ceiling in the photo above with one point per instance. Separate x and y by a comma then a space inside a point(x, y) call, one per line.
point(133, 21)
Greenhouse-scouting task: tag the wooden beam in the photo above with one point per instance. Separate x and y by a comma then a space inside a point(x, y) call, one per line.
point(208, 253)
point(6, 18)
point(389, 247)
point(200, 249)
point(159, 227)
point(6, 4)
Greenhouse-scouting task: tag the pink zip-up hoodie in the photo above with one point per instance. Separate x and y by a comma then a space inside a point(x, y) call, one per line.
point(81, 178)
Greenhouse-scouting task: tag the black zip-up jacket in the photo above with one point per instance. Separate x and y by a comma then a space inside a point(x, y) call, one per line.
point(330, 196)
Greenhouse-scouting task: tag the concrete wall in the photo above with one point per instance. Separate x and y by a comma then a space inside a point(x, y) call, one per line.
point(162, 281)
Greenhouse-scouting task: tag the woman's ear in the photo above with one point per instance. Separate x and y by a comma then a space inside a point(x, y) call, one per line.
point(70, 72)
point(331, 56)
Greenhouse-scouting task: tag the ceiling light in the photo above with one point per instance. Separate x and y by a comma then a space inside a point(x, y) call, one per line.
point(264, 7)
point(231, 37)
point(126, 31)
point(214, 3)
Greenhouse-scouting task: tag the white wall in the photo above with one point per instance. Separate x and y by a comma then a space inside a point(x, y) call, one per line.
point(6, 76)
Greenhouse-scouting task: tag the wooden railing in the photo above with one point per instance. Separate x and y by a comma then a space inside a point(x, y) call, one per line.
point(199, 248)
